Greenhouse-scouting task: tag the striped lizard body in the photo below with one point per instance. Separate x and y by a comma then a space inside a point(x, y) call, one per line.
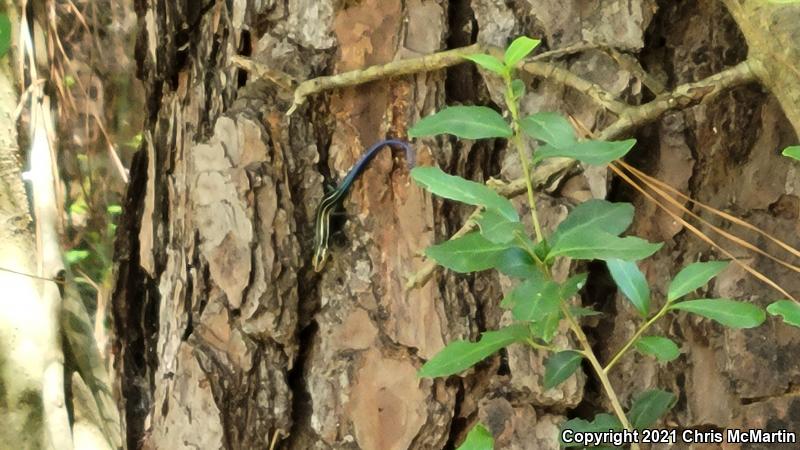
point(335, 197)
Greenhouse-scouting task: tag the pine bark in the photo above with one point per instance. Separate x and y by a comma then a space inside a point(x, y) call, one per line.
point(224, 335)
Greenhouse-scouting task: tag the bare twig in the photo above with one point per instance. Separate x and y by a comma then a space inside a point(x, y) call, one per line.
point(567, 78)
point(428, 63)
point(410, 66)
point(683, 96)
point(283, 80)
point(564, 51)
point(112, 152)
point(633, 66)
point(29, 275)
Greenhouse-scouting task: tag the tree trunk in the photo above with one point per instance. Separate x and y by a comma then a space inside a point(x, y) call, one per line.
point(226, 338)
point(23, 371)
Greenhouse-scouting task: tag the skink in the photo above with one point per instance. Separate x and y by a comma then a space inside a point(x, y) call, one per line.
point(335, 197)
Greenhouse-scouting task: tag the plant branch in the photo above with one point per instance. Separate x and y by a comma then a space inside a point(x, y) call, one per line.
point(539, 346)
point(683, 96)
point(511, 102)
point(567, 78)
point(428, 63)
point(630, 117)
point(588, 352)
point(635, 337)
point(544, 175)
point(35, 277)
point(281, 79)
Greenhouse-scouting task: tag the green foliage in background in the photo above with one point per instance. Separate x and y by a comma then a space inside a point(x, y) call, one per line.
point(5, 34)
point(479, 438)
point(792, 152)
point(92, 219)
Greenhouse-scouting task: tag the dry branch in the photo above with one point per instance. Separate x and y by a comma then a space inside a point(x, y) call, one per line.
point(428, 63)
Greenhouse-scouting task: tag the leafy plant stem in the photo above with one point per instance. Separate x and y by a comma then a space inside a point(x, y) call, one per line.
point(517, 139)
point(530, 251)
point(636, 336)
point(588, 353)
point(538, 346)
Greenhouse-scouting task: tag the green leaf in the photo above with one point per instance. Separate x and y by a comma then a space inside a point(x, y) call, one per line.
point(479, 438)
point(598, 215)
point(5, 34)
point(519, 49)
point(649, 406)
point(469, 253)
point(538, 303)
point(725, 311)
point(467, 122)
point(79, 206)
point(541, 250)
point(546, 326)
point(602, 245)
point(517, 88)
point(581, 311)
point(602, 422)
point(534, 298)
point(631, 282)
point(660, 347)
point(461, 355)
point(792, 152)
point(692, 277)
point(136, 141)
point(789, 310)
point(76, 256)
point(573, 284)
point(596, 153)
point(549, 127)
point(560, 366)
point(516, 262)
point(464, 191)
point(528, 245)
point(525, 290)
point(520, 299)
point(497, 228)
point(114, 209)
point(488, 62)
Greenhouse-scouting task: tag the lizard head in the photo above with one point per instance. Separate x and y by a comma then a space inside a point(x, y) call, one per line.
point(320, 257)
